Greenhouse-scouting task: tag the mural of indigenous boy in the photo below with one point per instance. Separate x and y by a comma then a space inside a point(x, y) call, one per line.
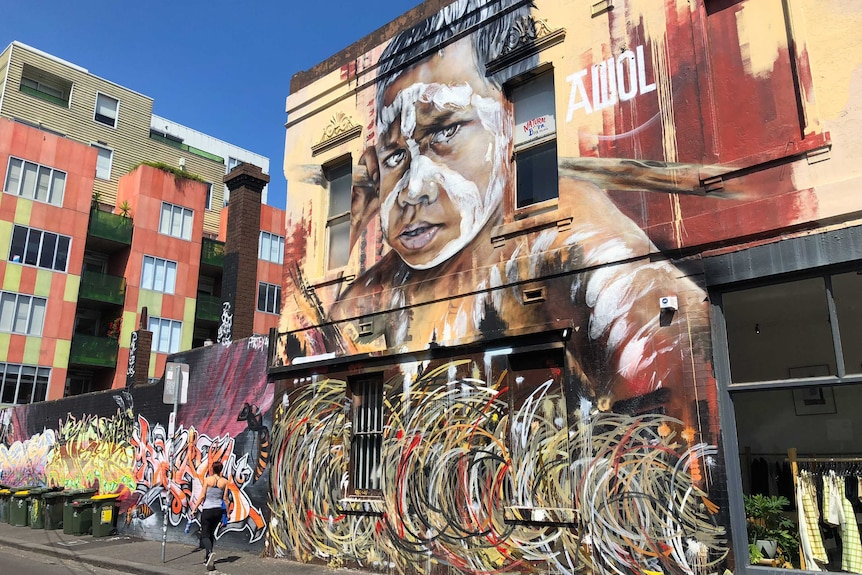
point(438, 177)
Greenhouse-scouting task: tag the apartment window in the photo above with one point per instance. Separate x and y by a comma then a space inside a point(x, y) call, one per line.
point(232, 163)
point(103, 162)
point(159, 275)
point(271, 248)
point(20, 384)
point(166, 334)
point(20, 313)
point(338, 220)
point(208, 203)
point(37, 248)
point(176, 221)
point(45, 86)
point(106, 110)
point(35, 182)
point(366, 442)
point(535, 140)
point(268, 297)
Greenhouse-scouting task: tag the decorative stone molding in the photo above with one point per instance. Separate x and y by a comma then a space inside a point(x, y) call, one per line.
point(526, 37)
point(339, 130)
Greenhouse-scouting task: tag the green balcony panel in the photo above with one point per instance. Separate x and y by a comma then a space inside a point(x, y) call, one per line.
point(108, 226)
point(96, 351)
point(103, 287)
point(208, 308)
point(43, 96)
point(212, 252)
point(185, 147)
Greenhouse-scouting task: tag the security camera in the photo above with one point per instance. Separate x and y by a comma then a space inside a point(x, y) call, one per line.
point(668, 303)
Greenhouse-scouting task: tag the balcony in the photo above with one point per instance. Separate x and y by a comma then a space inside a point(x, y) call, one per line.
point(36, 93)
point(112, 228)
point(104, 288)
point(208, 308)
point(94, 351)
point(178, 144)
point(212, 253)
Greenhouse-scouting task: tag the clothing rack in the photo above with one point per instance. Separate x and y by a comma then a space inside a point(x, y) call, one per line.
point(795, 460)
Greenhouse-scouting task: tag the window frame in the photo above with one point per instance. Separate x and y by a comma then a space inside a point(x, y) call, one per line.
point(149, 280)
point(268, 238)
point(102, 147)
point(271, 295)
point(363, 416)
point(334, 220)
point(43, 80)
point(528, 147)
point(185, 233)
point(208, 198)
point(28, 238)
point(53, 176)
point(101, 118)
point(172, 325)
point(41, 381)
point(19, 301)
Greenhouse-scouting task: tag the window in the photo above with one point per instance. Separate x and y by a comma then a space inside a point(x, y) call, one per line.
point(45, 86)
point(366, 441)
point(208, 202)
point(20, 313)
point(20, 384)
point(535, 140)
point(166, 334)
point(37, 248)
point(176, 221)
point(103, 162)
point(271, 248)
point(106, 110)
point(159, 275)
point(35, 182)
point(268, 297)
point(232, 163)
point(338, 221)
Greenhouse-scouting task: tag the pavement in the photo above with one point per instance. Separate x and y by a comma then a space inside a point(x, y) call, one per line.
point(130, 554)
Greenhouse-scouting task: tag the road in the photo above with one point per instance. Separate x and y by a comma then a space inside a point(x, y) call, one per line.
point(22, 562)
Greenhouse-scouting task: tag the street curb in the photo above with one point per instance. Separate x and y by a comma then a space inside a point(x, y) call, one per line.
point(117, 564)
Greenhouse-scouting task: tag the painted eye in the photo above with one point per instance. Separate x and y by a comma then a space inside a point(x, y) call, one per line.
point(445, 134)
point(392, 160)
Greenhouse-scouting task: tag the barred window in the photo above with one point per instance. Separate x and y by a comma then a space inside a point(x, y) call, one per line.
point(366, 442)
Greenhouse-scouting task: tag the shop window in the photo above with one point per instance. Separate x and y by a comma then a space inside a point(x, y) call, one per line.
point(366, 440)
point(535, 140)
point(339, 178)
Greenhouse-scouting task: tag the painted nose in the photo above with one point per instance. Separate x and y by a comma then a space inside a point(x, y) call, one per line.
point(422, 183)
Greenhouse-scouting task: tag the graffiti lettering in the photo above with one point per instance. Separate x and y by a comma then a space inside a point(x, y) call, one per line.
point(225, 328)
point(614, 80)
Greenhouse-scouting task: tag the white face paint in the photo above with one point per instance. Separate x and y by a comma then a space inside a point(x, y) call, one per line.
point(428, 178)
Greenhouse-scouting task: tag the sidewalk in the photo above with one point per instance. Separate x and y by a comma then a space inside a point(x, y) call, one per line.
point(128, 554)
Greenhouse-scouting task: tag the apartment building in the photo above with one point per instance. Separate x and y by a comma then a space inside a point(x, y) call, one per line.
point(567, 279)
point(114, 221)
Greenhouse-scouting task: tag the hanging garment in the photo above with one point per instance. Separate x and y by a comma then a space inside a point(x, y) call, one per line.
point(809, 529)
point(851, 558)
point(759, 476)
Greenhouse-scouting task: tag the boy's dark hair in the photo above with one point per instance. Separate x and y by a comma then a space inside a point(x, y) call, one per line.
point(217, 467)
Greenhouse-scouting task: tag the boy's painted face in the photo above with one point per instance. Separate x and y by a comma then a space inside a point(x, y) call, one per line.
point(442, 152)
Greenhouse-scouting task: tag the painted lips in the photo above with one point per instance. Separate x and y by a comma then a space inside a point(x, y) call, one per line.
point(417, 236)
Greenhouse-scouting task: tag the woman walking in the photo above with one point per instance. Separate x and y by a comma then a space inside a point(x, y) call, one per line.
point(214, 493)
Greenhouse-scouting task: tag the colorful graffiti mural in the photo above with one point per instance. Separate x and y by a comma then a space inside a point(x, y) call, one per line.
point(471, 484)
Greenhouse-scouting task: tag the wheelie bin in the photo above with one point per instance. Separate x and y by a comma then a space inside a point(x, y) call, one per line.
point(20, 509)
point(36, 507)
point(53, 509)
point(106, 507)
point(82, 516)
point(5, 500)
point(68, 510)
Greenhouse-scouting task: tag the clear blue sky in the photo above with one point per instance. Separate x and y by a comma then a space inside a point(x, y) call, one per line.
point(193, 57)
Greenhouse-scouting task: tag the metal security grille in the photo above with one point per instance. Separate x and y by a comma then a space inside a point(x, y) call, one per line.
point(367, 436)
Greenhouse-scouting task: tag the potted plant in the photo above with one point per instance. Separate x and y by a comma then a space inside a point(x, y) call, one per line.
point(771, 534)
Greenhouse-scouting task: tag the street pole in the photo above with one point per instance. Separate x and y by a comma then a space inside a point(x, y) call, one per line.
point(176, 376)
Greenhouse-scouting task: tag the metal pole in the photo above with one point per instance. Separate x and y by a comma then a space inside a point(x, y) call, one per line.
point(176, 376)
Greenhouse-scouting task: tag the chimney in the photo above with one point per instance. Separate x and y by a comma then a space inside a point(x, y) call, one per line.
point(239, 282)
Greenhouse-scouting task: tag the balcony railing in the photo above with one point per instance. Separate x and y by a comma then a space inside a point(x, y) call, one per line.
point(110, 226)
point(208, 308)
point(186, 148)
point(95, 351)
point(212, 252)
point(102, 287)
point(47, 97)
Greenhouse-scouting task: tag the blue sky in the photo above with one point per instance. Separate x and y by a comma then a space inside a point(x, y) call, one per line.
point(193, 57)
